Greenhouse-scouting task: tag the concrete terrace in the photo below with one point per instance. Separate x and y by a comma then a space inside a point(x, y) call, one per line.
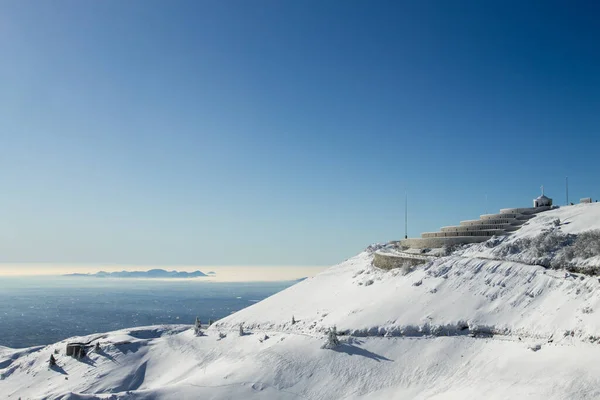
point(475, 231)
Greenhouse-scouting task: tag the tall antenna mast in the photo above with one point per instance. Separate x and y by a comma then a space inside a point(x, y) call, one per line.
point(406, 216)
point(567, 185)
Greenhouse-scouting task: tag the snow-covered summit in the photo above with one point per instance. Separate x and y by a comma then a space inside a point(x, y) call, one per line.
point(470, 325)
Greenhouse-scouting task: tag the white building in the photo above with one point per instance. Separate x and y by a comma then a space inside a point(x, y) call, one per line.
point(542, 201)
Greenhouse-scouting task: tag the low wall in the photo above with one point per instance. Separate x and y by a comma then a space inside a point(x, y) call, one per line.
point(499, 221)
point(438, 242)
point(387, 261)
point(499, 216)
point(475, 228)
point(528, 210)
point(488, 233)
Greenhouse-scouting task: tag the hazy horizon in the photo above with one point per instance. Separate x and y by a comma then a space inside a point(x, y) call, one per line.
point(223, 273)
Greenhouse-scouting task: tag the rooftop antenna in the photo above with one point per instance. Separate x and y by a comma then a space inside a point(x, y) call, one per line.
point(406, 216)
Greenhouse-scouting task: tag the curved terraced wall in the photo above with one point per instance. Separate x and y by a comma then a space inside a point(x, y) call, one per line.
point(526, 211)
point(497, 216)
point(475, 231)
point(500, 221)
point(432, 243)
point(480, 227)
point(488, 233)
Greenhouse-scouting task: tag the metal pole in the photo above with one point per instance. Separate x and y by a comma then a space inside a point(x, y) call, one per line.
point(567, 184)
point(406, 216)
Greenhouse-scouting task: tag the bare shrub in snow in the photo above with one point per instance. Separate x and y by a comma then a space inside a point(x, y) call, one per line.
point(369, 282)
point(222, 336)
point(332, 340)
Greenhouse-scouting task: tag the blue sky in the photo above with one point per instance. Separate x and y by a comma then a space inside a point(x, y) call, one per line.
point(280, 132)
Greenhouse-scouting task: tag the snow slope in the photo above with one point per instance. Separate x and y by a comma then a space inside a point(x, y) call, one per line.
point(464, 326)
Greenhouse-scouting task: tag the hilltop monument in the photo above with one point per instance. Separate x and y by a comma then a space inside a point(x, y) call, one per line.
point(480, 230)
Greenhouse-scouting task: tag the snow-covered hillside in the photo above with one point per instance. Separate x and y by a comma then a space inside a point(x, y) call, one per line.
point(470, 325)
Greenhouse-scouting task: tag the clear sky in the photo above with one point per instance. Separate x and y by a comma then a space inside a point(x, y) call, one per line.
point(283, 132)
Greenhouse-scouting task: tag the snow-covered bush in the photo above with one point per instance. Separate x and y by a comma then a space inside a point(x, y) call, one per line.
point(535, 347)
point(332, 340)
point(263, 338)
point(449, 249)
point(494, 241)
point(552, 249)
point(556, 222)
point(198, 328)
point(587, 310)
point(406, 268)
point(549, 242)
point(374, 247)
point(587, 245)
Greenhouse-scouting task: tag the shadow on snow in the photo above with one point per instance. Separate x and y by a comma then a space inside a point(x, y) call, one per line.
point(358, 351)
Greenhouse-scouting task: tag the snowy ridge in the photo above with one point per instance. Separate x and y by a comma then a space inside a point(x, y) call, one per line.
point(466, 326)
point(450, 296)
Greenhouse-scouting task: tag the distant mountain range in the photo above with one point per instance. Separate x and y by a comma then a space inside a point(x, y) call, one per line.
point(153, 273)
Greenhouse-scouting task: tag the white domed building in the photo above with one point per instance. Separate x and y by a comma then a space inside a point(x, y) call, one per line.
point(542, 201)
